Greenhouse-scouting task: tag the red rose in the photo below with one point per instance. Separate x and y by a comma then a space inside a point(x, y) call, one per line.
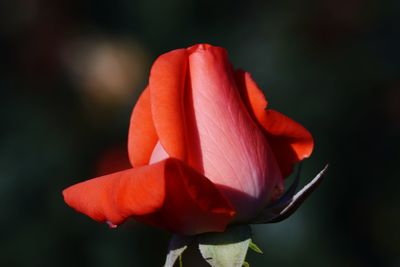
point(205, 150)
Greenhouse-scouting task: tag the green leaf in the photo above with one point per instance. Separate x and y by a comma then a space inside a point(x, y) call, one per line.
point(177, 246)
point(254, 247)
point(246, 264)
point(227, 249)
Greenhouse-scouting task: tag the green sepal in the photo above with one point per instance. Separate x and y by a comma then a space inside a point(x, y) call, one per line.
point(180, 261)
point(289, 202)
point(226, 249)
point(254, 247)
point(177, 246)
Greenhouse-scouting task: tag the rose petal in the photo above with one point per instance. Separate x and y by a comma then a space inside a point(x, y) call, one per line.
point(158, 154)
point(289, 140)
point(142, 134)
point(232, 151)
point(167, 79)
point(168, 194)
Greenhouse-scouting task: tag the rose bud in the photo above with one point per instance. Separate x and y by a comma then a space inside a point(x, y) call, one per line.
point(205, 151)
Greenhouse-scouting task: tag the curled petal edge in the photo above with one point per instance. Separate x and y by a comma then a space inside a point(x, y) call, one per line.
point(289, 140)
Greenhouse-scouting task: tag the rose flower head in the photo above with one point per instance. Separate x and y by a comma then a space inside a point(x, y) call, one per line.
point(205, 150)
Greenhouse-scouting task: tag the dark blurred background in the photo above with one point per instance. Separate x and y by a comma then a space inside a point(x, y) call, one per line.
point(71, 72)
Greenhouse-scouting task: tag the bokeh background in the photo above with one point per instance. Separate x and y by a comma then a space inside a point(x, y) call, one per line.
point(71, 71)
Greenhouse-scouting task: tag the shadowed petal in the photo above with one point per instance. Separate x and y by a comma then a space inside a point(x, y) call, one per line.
point(289, 140)
point(168, 194)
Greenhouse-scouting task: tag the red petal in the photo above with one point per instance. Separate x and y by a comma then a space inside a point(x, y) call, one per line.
point(142, 134)
point(168, 194)
point(167, 79)
point(289, 140)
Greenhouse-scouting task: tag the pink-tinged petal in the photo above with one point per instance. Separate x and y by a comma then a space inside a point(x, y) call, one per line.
point(230, 148)
point(289, 140)
point(142, 134)
point(158, 154)
point(167, 80)
point(168, 194)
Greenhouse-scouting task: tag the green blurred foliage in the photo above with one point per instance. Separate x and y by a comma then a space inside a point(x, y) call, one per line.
point(71, 72)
